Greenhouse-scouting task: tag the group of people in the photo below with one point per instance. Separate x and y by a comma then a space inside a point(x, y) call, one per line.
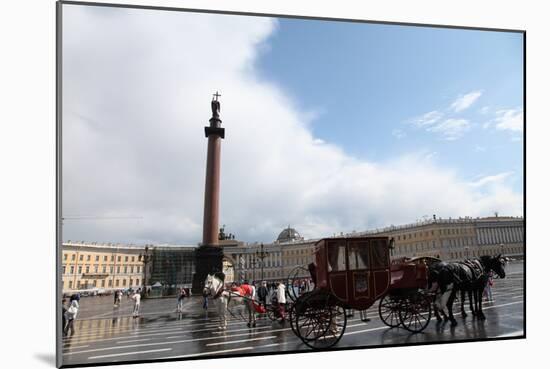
point(275, 293)
point(134, 295)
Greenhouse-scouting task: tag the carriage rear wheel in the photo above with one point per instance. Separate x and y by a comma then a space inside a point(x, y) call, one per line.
point(388, 309)
point(415, 312)
point(320, 321)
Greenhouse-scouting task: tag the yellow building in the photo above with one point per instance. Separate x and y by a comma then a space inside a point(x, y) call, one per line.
point(100, 266)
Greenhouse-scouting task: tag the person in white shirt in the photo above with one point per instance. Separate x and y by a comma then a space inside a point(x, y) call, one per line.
point(281, 300)
point(137, 299)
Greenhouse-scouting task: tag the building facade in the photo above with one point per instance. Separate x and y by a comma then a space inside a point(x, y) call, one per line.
point(100, 266)
point(455, 239)
point(116, 266)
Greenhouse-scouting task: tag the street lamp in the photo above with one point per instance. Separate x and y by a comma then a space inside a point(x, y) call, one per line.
point(145, 258)
point(261, 255)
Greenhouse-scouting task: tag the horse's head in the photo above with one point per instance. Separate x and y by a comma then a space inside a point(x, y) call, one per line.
point(213, 284)
point(496, 264)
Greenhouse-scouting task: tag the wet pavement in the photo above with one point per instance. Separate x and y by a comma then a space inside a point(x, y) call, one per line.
point(107, 334)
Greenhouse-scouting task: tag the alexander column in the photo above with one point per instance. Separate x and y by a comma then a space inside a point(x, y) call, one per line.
point(209, 255)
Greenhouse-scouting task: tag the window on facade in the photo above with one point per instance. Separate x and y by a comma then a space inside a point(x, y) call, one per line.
point(133, 258)
point(125, 269)
point(73, 257)
point(126, 258)
point(81, 257)
point(78, 284)
point(137, 282)
point(131, 269)
point(379, 252)
point(64, 269)
point(88, 257)
point(131, 280)
point(358, 255)
point(112, 258)
point(117, 283)
point(97, 258)
point(110, 283)
point(103, 283)
point(72, 269)
point(124, 282)
point(337, 256)
point(87, 269)
point(80, 270)
point(95, 282)
point(65, 256)
point(95, 268)
point(70, 284)
point(118, 258)
point(105, 258)
point(118, 269)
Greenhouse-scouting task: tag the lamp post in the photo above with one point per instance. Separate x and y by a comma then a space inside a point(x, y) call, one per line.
point(261, 255)
point(145, 258)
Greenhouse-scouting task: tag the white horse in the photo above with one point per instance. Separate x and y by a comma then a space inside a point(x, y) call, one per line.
point(227, 300)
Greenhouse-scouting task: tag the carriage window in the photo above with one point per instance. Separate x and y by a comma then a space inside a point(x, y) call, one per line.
point(336, 257)
point(358, 255)
point(379, 254)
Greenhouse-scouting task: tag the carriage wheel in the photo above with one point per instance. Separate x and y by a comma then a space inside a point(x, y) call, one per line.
point(388, 309)
point(271, 313)
point(415, 312)
point(320, 320)
point(293, 276)
point(291, 317)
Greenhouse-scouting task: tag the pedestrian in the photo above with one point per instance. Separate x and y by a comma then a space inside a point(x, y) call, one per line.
point(262, 293)
point(205, 303)
point(281, 300)
point(137, 300)
point(487, 292)
point(181, 296)
point(63, 312)
point(71, 314)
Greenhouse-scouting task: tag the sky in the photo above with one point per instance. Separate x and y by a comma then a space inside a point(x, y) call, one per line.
point(330, 126)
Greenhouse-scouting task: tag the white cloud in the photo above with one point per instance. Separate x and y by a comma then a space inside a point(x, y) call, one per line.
point(137, 86)
point(451, 129)
point(398, 133)
point(511, 120)
point(465, 101)
point(492, 179)
point(427, 119)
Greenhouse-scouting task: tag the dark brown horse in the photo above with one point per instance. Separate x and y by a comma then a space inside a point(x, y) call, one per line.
point(469, 276)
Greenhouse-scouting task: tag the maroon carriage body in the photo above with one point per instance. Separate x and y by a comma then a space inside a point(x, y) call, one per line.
point(355, 270)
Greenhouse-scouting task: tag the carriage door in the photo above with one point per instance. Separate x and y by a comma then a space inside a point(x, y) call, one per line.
point(336, 256)
point(380, 266)
point(359, 288)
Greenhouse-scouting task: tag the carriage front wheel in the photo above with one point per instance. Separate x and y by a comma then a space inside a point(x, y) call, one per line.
point(415, 311)
point(319, 320)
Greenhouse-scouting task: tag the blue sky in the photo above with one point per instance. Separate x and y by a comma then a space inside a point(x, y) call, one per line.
point(365, 81)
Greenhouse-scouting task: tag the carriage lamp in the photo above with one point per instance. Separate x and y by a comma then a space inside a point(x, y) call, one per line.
point(261, 255)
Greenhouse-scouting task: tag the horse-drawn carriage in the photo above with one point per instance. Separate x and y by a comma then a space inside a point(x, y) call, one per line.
point(353, 273)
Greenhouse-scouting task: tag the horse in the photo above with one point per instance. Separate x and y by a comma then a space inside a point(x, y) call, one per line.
point(466, 276)
point(227, 300)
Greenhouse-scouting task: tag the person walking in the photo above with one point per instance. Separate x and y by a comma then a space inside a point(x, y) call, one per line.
point(63, 312)
point(262, 293)
point(137, 300)
point(281, 300)
point(71, 314)
point(182, 295)
point(487, 292)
